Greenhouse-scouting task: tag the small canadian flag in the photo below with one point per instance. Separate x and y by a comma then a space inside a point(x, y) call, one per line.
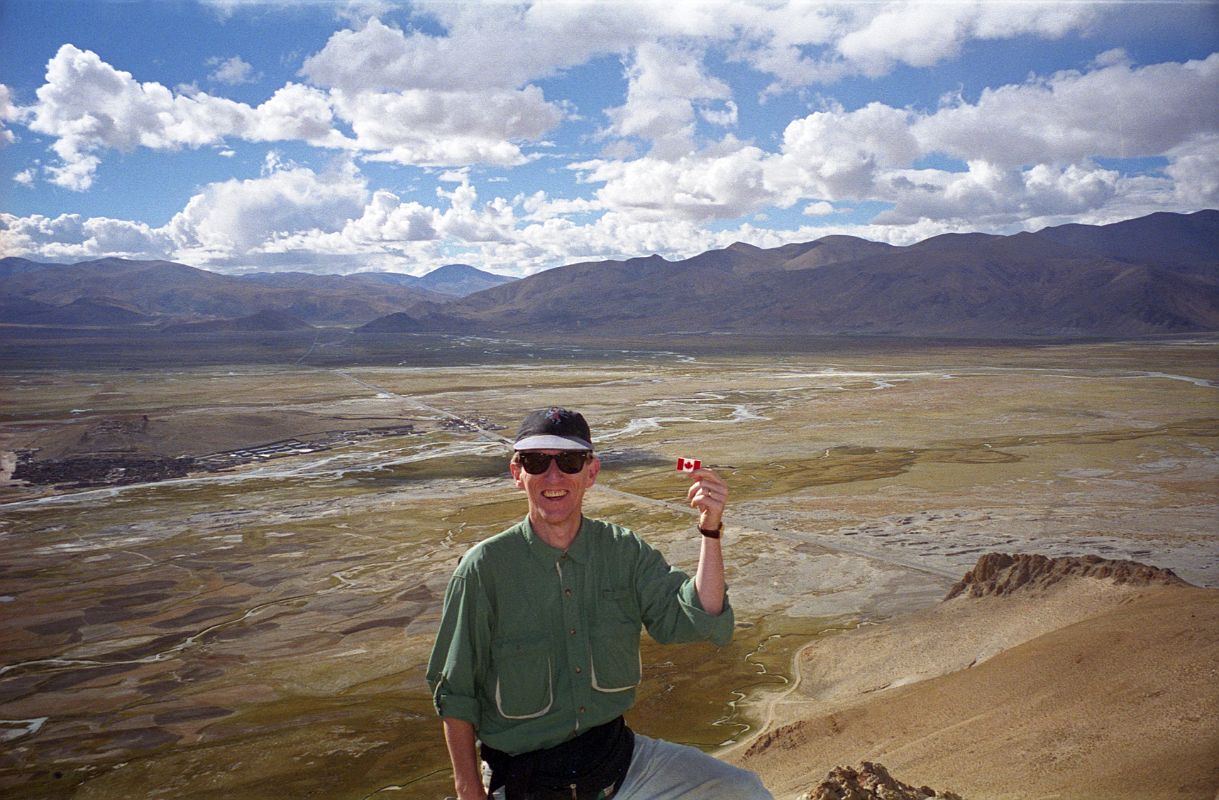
point(688, 464)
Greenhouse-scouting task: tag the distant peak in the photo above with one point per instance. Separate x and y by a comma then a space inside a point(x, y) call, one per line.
point(454, 269)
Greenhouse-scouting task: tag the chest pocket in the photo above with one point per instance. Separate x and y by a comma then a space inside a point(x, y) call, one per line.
point(614, 644)
point(523, 678)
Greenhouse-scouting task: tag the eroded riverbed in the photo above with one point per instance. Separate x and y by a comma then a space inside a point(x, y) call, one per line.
point(262, 631)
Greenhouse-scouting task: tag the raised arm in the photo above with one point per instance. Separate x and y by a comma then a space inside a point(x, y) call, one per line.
point(709, 494)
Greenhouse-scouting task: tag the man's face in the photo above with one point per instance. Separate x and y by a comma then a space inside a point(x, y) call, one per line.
point(555, 498)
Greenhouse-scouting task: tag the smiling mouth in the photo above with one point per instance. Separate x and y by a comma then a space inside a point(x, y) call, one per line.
point(554, 494)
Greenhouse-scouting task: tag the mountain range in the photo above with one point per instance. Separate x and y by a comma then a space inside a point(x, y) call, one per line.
point(1154, 274)
point(113, 291)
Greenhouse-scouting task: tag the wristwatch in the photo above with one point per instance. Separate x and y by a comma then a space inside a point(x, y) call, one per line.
point(713, 533)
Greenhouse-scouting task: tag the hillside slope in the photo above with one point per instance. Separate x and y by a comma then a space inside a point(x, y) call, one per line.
point(1081, 687)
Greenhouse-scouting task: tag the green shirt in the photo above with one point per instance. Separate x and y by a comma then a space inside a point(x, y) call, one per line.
point(536, 645)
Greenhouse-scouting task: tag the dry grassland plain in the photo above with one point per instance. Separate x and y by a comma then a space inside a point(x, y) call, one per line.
point(262, 631)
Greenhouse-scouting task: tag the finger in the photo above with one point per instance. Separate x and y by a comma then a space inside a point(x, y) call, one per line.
point(706, 498)
point(707, 475)
point(711, 484)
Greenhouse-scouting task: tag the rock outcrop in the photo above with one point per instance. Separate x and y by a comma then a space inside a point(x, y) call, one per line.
point(869, 782)
point(1003, 574)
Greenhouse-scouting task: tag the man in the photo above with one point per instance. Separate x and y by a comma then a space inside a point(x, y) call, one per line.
point(537, 656)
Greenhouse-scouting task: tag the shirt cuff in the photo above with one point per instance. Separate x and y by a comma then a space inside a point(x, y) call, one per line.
point(455, 705)
point(717, 628)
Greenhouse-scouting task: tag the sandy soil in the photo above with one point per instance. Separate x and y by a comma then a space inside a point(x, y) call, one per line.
point(1087, 690)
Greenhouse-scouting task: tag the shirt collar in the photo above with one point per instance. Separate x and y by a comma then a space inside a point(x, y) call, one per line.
point(578, 551)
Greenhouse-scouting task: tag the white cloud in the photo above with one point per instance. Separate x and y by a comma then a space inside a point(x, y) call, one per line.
point(8, 113)
point(386, 224)
point(232, 71)
point(725, 116)
point(538, 206)
point(994, 196)
point(828, 155)
point(465, 221)
point(446, 127)
point(665, 85)
point(724, 183)
point(1194, 169)
point(25, 177)
point(71, 237)
point(1116, 111)
point(296, 112)
point(389, 233)
point(233, 218)
point(801, 44)
point(926, 32)
point(464, 96)
point(486, 45)
point(1030, 150)
point(88, 105)
point(359, 12)
point(836, 154)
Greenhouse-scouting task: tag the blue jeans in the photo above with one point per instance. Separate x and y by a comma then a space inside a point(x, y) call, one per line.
point(662, 770)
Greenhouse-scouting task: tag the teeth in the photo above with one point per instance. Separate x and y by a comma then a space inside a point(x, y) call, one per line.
point(553, 494)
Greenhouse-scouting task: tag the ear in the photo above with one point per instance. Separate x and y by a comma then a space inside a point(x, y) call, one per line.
point(515, 469)
point(594, 468)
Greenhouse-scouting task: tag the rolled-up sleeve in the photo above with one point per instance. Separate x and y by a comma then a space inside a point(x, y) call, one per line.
point(458, 657)
point(670, 606)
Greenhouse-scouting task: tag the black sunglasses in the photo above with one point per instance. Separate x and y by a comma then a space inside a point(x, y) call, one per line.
point(569, 461)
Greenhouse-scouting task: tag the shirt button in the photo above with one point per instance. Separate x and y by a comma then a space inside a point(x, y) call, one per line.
point(567, 592)
point(572, 632)
point(578, 670)
point(581, 709)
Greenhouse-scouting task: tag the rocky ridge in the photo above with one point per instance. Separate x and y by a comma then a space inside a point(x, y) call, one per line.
point(869, 782)
point(997, 574)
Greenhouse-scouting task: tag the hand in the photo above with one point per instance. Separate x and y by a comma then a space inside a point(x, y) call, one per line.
point(708, 494)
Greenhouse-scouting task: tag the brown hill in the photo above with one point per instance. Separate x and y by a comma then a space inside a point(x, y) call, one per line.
point(82, 312)
point(1080, 688)
point(459, 280)
point(167, 289)
point(976, 285)
point(1178, 242)
point(1000, 573)
point(263, 320)
point(19, 310)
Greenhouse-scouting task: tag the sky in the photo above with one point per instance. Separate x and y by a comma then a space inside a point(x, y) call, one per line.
point(333, 136)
